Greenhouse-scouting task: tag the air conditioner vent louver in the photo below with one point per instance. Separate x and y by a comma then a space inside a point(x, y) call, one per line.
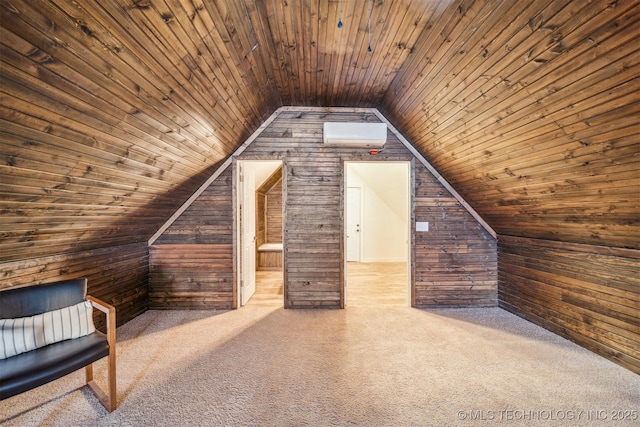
point(359, 135)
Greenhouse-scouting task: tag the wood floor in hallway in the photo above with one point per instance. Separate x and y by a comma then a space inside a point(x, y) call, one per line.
point(269, 290)
point(377, 283)
point(383, 283)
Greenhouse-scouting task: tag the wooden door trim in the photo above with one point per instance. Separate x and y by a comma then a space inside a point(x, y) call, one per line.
point(412, 231)
point(343, 244)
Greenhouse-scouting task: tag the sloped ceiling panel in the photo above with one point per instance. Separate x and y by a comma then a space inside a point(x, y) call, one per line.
point(112, 113)
point(530, 110)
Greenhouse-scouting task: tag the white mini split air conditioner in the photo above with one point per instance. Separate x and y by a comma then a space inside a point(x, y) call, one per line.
point(359, 135)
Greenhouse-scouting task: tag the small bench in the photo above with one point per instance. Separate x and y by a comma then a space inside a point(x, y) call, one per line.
point(50, 327)
point(270, 257)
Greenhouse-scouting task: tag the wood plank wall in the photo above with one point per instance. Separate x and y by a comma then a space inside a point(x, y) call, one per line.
point(269, 222)
point(261, 221)
point(274, 214)
point(313, 210)
point(269, 210)
point(530, 110)
point(117, 275)
point(455, 263)
point(587, 294)
point(191, 263)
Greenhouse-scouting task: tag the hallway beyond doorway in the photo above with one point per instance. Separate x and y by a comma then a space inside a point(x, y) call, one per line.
point(269, 290)
point(380, 283)
point(377, 283)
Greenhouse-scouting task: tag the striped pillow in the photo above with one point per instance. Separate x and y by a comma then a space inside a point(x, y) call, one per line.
point(24, 334)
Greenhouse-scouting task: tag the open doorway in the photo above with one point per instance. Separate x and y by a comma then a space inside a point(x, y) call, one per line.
point(259, 232)
point(377, 238)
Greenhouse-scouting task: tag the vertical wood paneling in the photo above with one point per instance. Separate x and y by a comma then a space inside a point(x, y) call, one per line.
point(588, 294)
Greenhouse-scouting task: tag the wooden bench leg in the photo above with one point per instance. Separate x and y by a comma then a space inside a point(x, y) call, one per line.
point(89, 371)
point(108, 400)
point(113, 396)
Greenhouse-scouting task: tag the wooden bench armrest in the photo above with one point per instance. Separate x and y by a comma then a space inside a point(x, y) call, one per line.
point(110, 311)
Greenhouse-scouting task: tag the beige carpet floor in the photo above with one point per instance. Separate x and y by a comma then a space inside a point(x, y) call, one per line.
point(362, 366)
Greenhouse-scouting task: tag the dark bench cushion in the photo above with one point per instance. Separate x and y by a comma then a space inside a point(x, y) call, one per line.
point(35, 368)
point(36, 299)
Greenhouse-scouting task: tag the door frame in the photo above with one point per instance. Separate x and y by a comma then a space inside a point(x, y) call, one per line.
point(237, 227)
point(410, 224)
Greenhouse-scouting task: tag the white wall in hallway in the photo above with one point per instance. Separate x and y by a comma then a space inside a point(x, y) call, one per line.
point(385, 206)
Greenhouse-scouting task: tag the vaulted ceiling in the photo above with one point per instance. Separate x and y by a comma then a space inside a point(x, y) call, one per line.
point(112, 113)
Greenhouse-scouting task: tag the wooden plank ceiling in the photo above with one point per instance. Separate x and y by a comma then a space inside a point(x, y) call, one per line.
point(112, 113)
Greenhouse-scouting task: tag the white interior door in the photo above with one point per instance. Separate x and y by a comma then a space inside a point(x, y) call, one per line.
point(354, 224)
point(248, 231)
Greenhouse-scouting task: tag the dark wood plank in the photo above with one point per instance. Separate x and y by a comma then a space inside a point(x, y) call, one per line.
point(585, 293)
point(454, 265)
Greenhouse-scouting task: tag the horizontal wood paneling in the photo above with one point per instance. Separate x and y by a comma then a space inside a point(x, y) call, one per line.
point(269, 210)
point(191, 263)
point(532, 118)
point(274, 214)
point(312, 213)
point(112, 110)
point(208, 220)
point(110, 117)
point(269, 221)
point(261, 220)
point(113, 113)
point(455, 262)
point(191, 276)
point(117, 275)
point(587, 295)
point(313, 220)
